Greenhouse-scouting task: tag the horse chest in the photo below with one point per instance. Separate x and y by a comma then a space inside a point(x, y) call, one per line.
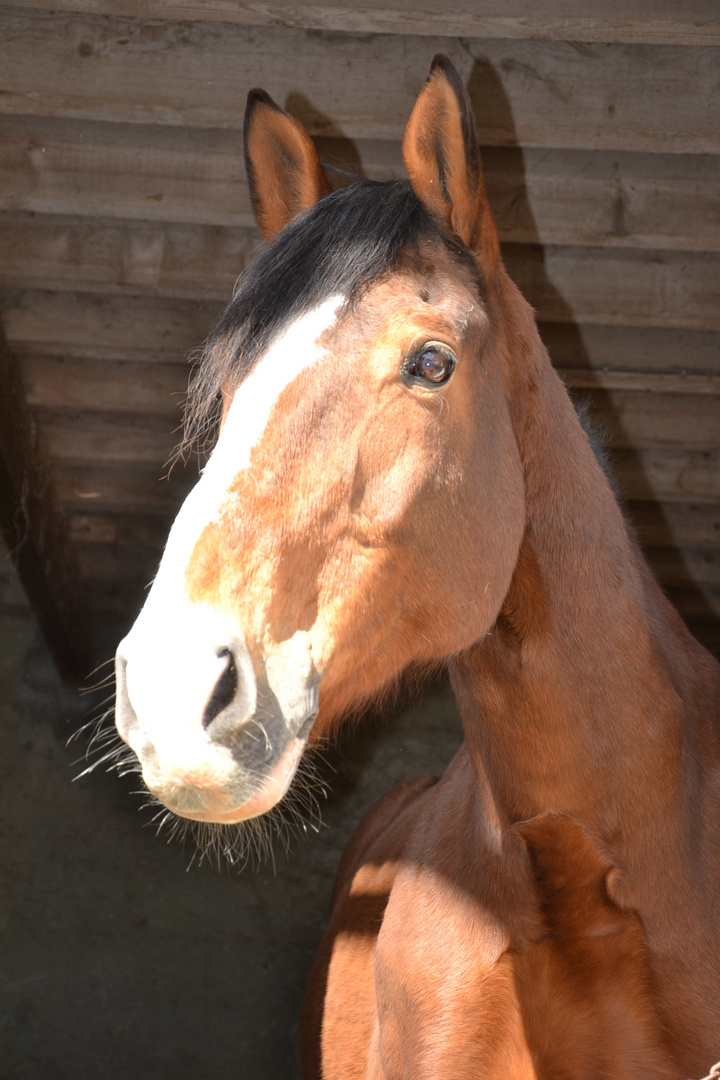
point(463, 979)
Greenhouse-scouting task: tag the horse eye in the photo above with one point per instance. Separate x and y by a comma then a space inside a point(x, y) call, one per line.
point(431, 365)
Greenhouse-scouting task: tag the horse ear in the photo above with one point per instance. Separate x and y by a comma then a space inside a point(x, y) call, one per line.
point(283, 169)
point(442, 158)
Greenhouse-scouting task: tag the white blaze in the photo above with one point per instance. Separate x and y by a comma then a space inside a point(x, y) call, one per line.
point(171, 633)
point(295, 350)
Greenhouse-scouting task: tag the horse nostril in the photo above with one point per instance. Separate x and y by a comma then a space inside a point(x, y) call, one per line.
point(224, 690)
point(125, 716)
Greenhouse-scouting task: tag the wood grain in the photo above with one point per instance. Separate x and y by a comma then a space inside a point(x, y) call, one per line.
point(196, 176)
point(532, 93)
point(617, 286)
point(664, 22)
point(96, 326)
point(106, 488)
point(147, 329)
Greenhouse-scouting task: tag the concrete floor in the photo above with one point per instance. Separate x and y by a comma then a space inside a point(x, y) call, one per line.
point(118, 961)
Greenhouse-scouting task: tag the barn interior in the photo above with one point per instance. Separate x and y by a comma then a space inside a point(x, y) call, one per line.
point(125, 221)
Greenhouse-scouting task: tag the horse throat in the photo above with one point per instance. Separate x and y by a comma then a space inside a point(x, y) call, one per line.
point(570, 703)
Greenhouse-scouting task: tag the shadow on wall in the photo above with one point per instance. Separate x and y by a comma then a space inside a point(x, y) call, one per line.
point(513, 210)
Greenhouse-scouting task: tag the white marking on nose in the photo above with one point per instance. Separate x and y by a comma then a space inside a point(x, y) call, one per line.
point(169, 621)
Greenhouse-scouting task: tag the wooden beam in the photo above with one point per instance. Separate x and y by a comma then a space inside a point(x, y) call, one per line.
point(113, 386)
point(629, 420)
point(34, 530)
point(659, 22)
point(610, 286)
point(154, 329)
point(140, 328)
point(528, 93)
point(131, 488)
point(196, 176)
point(672, 525)
point(676, 474)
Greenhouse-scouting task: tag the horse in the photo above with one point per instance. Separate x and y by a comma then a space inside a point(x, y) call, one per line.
point(400, 480)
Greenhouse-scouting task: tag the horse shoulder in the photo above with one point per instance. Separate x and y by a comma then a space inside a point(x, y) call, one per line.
point(446, 1000)
point(339, 1007)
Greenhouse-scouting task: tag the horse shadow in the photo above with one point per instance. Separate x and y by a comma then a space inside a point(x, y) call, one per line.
point(596, 408)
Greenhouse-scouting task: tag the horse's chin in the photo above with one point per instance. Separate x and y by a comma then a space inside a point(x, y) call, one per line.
point(220, 805)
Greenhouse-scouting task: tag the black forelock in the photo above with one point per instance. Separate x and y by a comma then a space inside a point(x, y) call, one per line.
point(340, 245)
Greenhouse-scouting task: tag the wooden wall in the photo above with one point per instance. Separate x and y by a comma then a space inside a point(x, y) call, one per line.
point(125, 220)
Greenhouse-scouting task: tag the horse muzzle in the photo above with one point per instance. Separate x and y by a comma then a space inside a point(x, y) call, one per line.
point(218, 733)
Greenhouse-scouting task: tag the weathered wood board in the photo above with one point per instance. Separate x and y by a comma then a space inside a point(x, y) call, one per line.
point(609, 286)
point(662, 22)
point(196, 176)
point(525, 92)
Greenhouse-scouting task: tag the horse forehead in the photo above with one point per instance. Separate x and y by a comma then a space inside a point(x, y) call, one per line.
point(298, 347)
point(437, 292)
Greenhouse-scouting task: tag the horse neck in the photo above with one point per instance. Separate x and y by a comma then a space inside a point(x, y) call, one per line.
point(582, 698)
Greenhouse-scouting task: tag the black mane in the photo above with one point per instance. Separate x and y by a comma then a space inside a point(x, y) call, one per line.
point(340, 245)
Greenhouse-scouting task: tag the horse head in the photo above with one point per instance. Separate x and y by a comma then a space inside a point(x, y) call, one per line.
point(363, 508)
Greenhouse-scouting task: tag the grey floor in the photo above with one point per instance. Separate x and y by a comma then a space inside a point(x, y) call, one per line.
point(118, 961)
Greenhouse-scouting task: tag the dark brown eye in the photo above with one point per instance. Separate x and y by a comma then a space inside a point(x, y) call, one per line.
point(430, 366)
point(433, 365)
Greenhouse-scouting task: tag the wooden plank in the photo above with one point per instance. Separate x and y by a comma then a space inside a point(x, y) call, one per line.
point(686, 566)
point(145, 329)
point(78, 437)
point(117, 577)
point(641, 382)
point(127, 386)
point(35, 532)
point(696, 23)
point(533, 93)
point(665, 468)
point(618, 287)
point(135, 487)
point(110, 568)
point(605, 199)
point(632, 420)
point(124, 567)
point(622, 348)
point(621, 287)
point(136, 171)
point(658, 475)
point(138, 530)
point(196, 176)
point(696, 605)
point(97, 326)
point(194, 261)
point(120, 594)
point(108, 386)
point(676, 525)
point(626, 420)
